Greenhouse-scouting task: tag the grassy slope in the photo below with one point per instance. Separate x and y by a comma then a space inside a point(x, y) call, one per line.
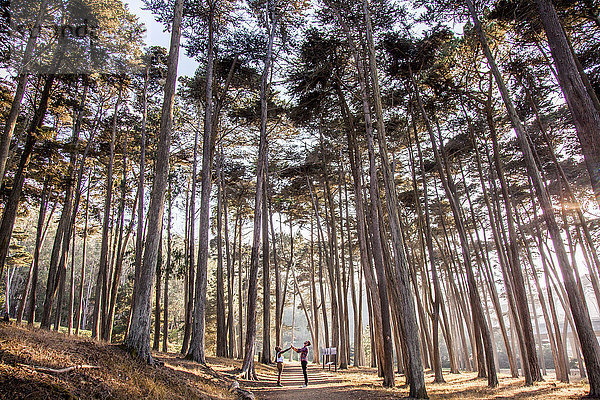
point(120, 376)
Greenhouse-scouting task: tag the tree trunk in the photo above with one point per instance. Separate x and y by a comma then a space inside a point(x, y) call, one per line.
point(532, 373)
point(13, 115)
point(240, 280)
point(230, 273)
point(586, 116)
point(159, 268)
point(33, 270)
point(139, 238)
point(168, 270)
point(101, 293)
point(196, 351)
point(187, 330)
point(12, 203)
point(261, 173)
point(138, 337)
point(266, 315)
point(221, 325)
point(480, 325)
point(78, 310)
point(437, 364)
point(315, 306)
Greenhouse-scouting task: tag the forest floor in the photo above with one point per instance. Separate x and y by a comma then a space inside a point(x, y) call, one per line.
point(363, 383)
point(25, 352)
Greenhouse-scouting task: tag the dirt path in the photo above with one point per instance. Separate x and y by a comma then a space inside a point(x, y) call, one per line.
point(321, 385)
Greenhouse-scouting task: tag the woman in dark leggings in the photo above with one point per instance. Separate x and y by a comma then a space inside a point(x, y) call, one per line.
point(303, 360)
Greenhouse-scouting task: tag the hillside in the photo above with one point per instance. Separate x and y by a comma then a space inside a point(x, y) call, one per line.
point(25, 352)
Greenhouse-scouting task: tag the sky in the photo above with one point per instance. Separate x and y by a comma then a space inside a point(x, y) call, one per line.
point(157, 36)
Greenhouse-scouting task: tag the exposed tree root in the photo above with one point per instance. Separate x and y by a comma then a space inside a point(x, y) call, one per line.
point(59, 371)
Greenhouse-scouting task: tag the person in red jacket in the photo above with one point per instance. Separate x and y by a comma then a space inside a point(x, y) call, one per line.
point(303, 360)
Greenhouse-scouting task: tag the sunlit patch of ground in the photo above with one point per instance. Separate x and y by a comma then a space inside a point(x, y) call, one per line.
point(466, 385)
point(363, 383)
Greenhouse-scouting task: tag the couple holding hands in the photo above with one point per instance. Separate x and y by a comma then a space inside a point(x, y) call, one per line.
point(303, 361)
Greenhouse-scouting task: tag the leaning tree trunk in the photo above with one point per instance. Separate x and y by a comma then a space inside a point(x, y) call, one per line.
point(532, 374)
point(585, 331)
point(399, 270)
point(13, 115)
point(12, 203)
point(261, 173)
point(480, 325)
point(138, 337)
point(586, 116)
point(437, 364)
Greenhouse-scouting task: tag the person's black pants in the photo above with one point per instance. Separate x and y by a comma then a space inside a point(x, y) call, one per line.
point(304, 364)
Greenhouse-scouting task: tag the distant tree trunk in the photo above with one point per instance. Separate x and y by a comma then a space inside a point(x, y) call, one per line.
point(78, 310)
point(437, 364)
point(101, 292)
point(315, 305)
point(319, 242)
point(332, 262)
point(499, 249)
point(230, 273)
point(532, 373)
point(293, 330)
point(278, 294)
point(358, 348)
point(240, 280)
point(234, 255)
point(266, 315)
point(157, 293)
point(167, 274)
point(187, 330)
point(71, 286)
point(341, 277)
point(138, 337)
point(58, 269)
point(121, 245)
point(33, 270)
point(139, 237)
point(221, 325)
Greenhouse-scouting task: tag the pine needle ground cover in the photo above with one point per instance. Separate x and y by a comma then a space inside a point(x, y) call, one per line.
point(23, 352)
